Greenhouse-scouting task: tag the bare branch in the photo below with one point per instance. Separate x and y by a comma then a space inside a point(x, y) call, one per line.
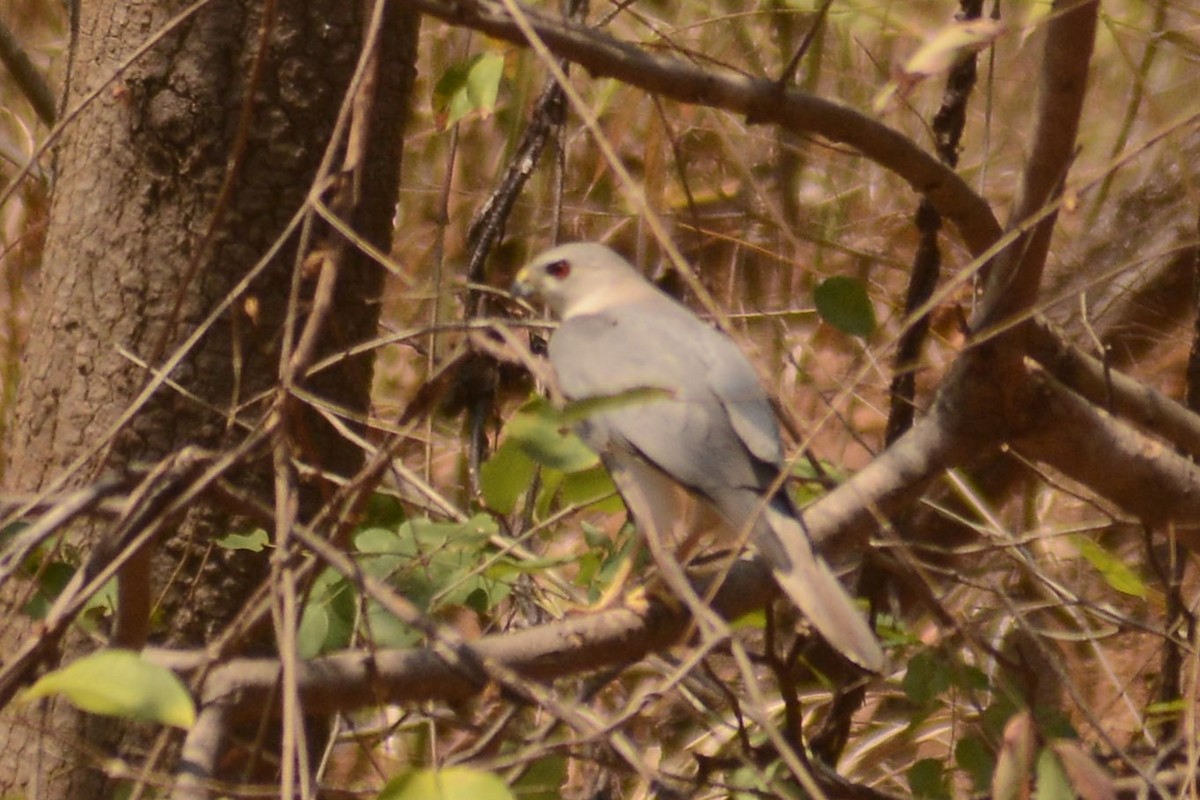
point(1016, 276)
point(1114, 391)
point(759, 99)
point(1144, 477)
point(839, 521)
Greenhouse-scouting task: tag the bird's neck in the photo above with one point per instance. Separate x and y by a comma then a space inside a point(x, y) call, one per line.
point(599, 302)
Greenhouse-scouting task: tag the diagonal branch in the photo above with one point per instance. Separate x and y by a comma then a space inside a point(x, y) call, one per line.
point(1154, 483)
point(28, 78)
point(1114, 391)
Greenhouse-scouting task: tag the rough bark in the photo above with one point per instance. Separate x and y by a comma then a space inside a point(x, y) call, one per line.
point(171, 185)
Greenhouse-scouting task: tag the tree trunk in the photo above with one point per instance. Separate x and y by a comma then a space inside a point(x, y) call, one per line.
point(172, 183)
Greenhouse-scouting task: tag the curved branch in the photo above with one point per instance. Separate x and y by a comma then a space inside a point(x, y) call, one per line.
point(576, 645)
point(759, 99)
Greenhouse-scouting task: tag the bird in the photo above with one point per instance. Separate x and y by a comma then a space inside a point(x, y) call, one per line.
point(710, 431)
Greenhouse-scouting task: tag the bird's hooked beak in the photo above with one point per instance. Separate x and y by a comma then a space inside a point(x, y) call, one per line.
point(523, 286)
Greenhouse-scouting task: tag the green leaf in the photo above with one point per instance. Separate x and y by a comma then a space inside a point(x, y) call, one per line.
point(925, 679)
point(552, 479)
point(506, 476)
point(591, 488)
point(579, 410)
point(52, 580)
point(387, 631)
point(328, 618)
point(754, 782)
point(589, 563)
point(434, 565)
point(1053, 722)
point(384, 511)
point(595, 538)
point(939, 53)
point(11, 531)
point(421, 535)
point(974, 757)
point(380, 540)
point(1167, 707)
point(452, 783)
point(468, 86)
point(313, 631)
point(1116, 573)
point(543, 779)
point(1052, 783)
point(627, 546)
point(544, 435)
point(927, 779)
point(951, 44)
point(843, 303)
point(483, 82)
point(101, 605)
point(450, 101)
point(505, 568)
point(998, 715)
point(970, 678)
point(751, 620)
point(118, 683)
point(480, 600)
point(254, 541)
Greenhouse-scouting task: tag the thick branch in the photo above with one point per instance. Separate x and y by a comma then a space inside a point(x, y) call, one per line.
point(1016, 275)
point(1144, 477)
point(838, 522)
point(759, 99)
point(1114, 391)
point(572, 646)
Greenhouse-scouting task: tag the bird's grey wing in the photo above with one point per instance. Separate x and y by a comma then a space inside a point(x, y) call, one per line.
point(688, 434)
point(735, 382)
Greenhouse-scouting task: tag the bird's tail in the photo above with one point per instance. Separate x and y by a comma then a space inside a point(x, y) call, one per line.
point(810, 583)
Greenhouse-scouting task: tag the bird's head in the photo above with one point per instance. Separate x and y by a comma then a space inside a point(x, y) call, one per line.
point(581, 278)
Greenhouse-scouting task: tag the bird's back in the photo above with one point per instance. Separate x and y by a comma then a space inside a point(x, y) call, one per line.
point(698, 431)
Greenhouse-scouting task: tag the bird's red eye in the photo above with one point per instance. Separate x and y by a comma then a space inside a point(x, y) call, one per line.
point(558, 269)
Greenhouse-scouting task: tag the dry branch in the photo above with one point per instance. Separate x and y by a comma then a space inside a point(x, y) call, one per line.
point(762, 101)
point(1016, 277)
point(1154, 483)
point(1115, 392)
point(572, 646)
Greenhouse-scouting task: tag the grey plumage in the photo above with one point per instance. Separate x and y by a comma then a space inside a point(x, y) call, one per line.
point(714, 433)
